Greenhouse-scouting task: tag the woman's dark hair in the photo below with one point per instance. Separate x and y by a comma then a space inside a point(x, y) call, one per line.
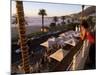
point(84, 23)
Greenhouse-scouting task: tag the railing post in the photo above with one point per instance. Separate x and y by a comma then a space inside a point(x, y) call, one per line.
point(74, 63)
point(85, 45)
point(83, 49)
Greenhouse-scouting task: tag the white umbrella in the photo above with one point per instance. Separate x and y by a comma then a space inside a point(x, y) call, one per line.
point(71, 41)
point(45, 44)
point(63, 34)
point(76, 34)
point(59, 55)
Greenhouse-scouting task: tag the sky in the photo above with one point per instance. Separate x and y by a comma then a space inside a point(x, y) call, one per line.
point(52, 9)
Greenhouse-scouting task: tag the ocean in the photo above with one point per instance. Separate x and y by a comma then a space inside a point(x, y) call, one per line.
point(34, 24)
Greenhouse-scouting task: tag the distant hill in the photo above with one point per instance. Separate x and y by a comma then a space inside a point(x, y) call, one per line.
point(87, 11)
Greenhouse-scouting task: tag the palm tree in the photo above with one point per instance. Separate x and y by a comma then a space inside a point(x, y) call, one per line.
point(82, 14)
point(72, 20)
point(42, 12)
point(68, 21)
point(22, 37)
point(63, 18)
point(55, 19)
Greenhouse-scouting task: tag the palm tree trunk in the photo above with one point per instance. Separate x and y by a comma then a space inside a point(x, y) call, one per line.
point(22, 36)
point(43, 23)
point(63, 21)
point(55, 22)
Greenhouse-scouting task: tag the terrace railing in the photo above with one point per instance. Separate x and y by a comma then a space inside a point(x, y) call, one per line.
point(75, 59)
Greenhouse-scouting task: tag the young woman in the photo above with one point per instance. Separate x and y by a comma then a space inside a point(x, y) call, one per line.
point(86, 35)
